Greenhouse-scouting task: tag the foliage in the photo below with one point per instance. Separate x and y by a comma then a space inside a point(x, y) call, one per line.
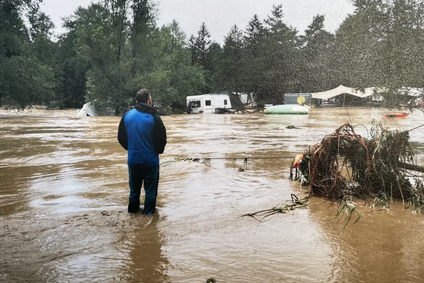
point(73, 69)
point(347, 207)
point(252, 61)
point(278, 65)
point(113, 48)
point(232, 60)
point(27, 65)
point(199, 46)
point(26, 81)
point(127, 53)
point(317, 58)
point(207, 55)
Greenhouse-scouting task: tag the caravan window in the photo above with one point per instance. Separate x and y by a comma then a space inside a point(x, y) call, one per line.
point(225, 102)
point(208, 103)
point(195, 103)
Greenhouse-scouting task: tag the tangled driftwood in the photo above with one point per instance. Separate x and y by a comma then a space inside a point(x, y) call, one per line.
point(345, 163)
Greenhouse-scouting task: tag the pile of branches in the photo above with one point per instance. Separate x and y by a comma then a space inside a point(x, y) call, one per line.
point(382, 167)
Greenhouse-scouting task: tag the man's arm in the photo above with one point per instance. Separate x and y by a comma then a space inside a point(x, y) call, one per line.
point(122, 134)
point(159, 135)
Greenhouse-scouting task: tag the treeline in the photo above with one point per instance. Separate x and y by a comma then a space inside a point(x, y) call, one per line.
point(112, 49)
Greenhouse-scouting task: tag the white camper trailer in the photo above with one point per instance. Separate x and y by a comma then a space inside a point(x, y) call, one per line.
point(208, 103)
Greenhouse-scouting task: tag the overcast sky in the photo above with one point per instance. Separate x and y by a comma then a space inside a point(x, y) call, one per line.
point(221, 15)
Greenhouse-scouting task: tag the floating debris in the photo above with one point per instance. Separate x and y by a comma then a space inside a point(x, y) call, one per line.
point(381, 168)
point(291, 127)
point(294, 204)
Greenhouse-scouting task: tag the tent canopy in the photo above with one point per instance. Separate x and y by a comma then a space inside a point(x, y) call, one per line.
point(343, 89)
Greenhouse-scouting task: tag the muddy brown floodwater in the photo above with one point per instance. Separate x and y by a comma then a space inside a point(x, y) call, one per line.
point(64, 191)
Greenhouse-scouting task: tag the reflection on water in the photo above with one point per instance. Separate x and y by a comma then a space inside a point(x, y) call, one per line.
point(64, 193)
point(147, 261)
point(384, 246)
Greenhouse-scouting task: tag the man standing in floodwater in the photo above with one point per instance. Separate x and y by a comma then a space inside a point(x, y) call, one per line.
point(142, 133)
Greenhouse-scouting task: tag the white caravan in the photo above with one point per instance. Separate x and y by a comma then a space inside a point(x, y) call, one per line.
point(208, 103)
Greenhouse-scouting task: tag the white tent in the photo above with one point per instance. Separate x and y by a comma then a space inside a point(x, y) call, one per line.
point(411, 91)
point(87, 110)
point(349, 90)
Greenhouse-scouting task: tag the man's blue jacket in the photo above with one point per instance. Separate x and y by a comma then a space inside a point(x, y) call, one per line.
point(142, 132)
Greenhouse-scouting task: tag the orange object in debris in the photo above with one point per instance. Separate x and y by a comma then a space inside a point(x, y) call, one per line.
point(297, 160)
point(396, 114)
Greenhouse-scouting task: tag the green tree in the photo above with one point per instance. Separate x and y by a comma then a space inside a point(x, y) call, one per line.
point(199, 46)
point(126, 51)
point(233, 61)
point(358, 49)
point(317, 54)
point(404, 44)
point(253, 59)
point(203, 52)
point(100, 43)
point(281, 59)
point(73, 68)
point(45, 51)
point(213, 69)
point(178, 78)
point(163, 61)
point(382, 45)
point(26, 78)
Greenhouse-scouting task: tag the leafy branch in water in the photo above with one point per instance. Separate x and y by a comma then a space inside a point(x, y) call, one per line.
point(347, 206)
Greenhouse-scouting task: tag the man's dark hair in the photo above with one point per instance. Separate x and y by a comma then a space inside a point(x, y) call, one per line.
point(142, 96)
